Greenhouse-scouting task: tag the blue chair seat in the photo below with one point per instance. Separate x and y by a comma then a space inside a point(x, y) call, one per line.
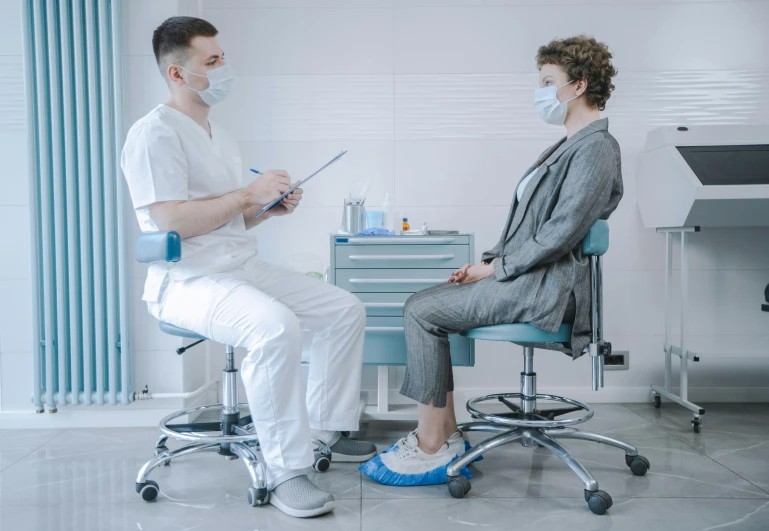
point(595, 243)
point(180, 332)
point(520, 333)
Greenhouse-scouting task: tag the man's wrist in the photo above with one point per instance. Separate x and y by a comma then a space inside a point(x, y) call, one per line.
point(245, 198)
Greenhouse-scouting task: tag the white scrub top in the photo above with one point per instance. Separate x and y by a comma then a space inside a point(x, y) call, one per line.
point(169, 157)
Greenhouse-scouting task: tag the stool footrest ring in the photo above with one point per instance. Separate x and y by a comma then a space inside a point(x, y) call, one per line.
point(506, 419)
point(201, 437)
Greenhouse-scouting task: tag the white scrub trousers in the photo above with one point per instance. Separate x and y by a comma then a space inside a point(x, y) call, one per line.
point(264, 307)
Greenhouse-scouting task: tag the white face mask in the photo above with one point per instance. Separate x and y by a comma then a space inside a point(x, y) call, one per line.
point(220, 81)
point(550, 109)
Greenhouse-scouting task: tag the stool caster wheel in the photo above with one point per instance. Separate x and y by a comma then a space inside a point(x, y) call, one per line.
point(459, 486)
point(598, 501)
point(638, 464)
point(657, 401)
point(148, 491)
point(322, 462)
point(257, 497)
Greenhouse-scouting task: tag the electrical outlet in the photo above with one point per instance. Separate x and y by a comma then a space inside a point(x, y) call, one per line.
point(618, 361)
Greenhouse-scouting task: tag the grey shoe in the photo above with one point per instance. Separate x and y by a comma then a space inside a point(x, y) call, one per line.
point(351, 451)
point(301, 498)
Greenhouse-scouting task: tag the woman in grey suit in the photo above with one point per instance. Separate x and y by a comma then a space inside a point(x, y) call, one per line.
point(535, 274)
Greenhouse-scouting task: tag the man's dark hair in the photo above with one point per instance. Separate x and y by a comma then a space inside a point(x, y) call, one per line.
point(173, 37)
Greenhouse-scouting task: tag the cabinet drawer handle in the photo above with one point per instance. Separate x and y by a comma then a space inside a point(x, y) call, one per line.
point(396, 280)
point(400, 241)
point(373, 257)
point(383, 304)
point(385, 329)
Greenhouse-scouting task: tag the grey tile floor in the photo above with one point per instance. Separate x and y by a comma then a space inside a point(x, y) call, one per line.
point(83, 479)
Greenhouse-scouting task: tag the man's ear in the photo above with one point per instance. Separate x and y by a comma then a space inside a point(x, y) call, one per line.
point(173, 74)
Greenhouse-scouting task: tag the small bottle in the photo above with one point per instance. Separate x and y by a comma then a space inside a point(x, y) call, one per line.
point(424, 227)
point(406, 225)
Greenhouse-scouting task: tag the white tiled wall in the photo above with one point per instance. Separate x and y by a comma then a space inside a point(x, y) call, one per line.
point(433, 100)
point(645, 36)
point(15, 291)
point(323, 40)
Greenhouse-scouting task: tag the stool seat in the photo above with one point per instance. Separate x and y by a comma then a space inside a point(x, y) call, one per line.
point(172, 330)
point(520, 333)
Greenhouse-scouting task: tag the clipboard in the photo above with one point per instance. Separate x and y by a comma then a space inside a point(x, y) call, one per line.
point(297, 185)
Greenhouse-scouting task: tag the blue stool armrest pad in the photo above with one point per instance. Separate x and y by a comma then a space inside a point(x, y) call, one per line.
point(596, 242)
point(158, 247)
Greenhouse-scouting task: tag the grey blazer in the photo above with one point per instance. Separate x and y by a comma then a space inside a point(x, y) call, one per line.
point(540, 262)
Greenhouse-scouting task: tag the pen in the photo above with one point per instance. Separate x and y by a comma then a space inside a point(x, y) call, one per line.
point(256, 171)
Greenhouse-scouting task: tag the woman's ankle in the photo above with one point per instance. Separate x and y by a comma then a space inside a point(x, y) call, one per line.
point(430, 445)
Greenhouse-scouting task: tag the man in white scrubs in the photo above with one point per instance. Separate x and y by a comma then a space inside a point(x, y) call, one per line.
point(185, 174)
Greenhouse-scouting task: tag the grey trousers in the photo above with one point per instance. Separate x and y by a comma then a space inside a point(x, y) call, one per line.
point(429, 317)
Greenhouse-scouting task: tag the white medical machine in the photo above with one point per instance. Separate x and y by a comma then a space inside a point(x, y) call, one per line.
point(692, 178)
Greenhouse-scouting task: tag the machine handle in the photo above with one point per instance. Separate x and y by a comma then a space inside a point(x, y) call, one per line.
point(396, 280)
point(400, 241)
point(374, 257)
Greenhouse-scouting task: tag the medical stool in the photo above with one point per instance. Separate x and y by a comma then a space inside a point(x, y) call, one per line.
point(233, 436)
point(531, 426)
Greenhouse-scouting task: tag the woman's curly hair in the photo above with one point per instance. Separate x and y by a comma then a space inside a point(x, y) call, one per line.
point(582, 57)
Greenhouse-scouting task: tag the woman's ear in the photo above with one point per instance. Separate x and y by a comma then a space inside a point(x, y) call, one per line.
point(581, 87)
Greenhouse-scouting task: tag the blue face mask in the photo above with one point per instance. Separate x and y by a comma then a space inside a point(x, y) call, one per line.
point(550, 109)
point(220, 81)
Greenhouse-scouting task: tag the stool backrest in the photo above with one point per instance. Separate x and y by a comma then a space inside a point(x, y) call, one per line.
point(158, 247)
point(596, 243)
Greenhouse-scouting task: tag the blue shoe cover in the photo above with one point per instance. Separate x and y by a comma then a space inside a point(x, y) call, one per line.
point(378, 471)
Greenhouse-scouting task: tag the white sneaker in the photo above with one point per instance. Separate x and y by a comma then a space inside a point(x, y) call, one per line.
point(407, 464)
point(457, 443)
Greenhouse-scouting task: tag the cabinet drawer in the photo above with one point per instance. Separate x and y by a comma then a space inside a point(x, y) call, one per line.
point(385, 344)
point(383, 304)
point(402, 256)
point(457, 239)
point(390, 280)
